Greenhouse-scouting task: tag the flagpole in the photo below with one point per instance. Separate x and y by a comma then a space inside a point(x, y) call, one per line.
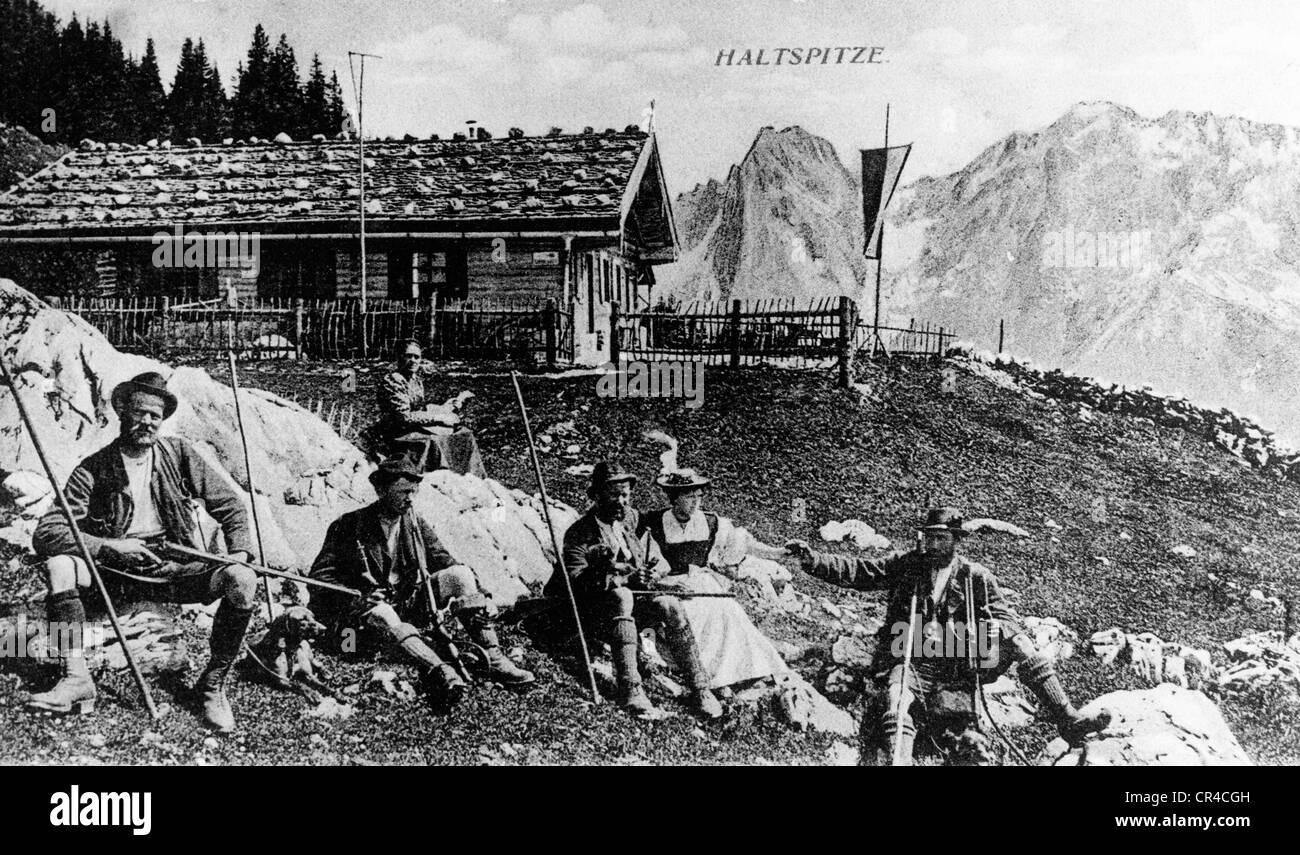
point(880, 254)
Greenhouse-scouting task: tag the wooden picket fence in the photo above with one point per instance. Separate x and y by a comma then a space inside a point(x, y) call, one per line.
point(537, 331)
point(823, 333)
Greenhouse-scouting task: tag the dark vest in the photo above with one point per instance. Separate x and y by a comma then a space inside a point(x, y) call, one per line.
point(680, 556)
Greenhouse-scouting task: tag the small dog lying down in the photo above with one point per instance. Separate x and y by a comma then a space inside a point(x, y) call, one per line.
point(284, 657)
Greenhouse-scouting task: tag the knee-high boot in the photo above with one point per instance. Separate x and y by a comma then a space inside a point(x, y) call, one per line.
point(681, 641)
point(440, 680)
point(228, 629)
point(1073, 726)
point(631, 696)
point(75, 691)
point(483, 632)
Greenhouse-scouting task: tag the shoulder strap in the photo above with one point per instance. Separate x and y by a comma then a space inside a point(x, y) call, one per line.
point(712, 519)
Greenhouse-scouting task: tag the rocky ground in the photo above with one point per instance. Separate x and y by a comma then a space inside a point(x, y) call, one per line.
point(1128, 525)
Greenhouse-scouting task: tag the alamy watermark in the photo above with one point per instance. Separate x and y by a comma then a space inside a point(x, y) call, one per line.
point(655, 379)
point(242, 250)
point(21, 638)
point(1071, 248)
point(948, 640)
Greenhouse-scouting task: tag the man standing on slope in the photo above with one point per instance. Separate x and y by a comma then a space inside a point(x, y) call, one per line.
point(938, 581)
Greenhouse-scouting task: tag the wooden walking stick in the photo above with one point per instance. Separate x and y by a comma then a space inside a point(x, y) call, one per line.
point(555, 543)
point(252, 494)
point(81, 543)
point(904, 690)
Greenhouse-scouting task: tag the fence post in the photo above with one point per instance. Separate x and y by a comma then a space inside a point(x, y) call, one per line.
point(939, 351)
point(297, 328)
point(1001, 332)
point(735, 333)
point(164, 325)
point(613, 333)
point(846, 341)
point(549, 318)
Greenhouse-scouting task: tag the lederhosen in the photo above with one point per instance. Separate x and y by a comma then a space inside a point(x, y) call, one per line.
point(681, 555)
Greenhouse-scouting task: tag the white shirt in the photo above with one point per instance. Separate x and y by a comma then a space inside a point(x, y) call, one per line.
point(392, 529)
point(139, 475)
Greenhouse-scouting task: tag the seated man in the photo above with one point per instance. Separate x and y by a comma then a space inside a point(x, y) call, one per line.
point(942, 590)
point(606, 562)
point(141, 484)
point(732, 649)
point(393, 557)
point(409, 425)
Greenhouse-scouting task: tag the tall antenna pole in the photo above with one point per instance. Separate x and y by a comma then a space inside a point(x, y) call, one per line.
point(360, 91)
point(880, 251)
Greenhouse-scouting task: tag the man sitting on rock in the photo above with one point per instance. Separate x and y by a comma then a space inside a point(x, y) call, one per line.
point(410, 426)
point(385, 550)
point(606, 562)
point(143, 484)
point(948, 591)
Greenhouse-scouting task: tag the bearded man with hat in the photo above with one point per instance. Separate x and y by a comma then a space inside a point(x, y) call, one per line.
point(142, 484)
point(606, 561)
point(386, 551)
point(933, 586)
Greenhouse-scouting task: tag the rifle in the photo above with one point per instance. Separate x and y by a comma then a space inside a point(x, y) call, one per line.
point(156, 542)
point(443, 644)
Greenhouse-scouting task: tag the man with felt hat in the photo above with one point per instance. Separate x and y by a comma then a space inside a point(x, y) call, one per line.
point(945, 595)
point(142, 484)
point(606, 562)
point(392, 556)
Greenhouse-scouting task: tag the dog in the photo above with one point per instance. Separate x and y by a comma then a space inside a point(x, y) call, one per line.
point(283, 656)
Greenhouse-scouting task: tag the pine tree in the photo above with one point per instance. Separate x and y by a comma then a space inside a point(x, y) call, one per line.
point(250, 102)
point(335, 112)
point(315, 103)
point(284, 107)
point(150, 99)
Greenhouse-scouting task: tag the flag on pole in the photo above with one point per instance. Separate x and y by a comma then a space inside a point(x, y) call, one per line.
point(881, 169)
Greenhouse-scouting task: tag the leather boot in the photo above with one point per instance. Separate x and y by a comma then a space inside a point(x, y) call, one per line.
point(631, 696)
point(439, 680)
point(228, 629)
point(484, 634)
point(681, 642)
point(1073, 726)
point(900, 730)
point(75, 691)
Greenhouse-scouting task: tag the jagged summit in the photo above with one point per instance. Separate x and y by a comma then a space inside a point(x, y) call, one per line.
point(1137, 250)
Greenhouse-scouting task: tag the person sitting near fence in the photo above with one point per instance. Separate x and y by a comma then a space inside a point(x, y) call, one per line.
point(412, 427)
point(704, 551)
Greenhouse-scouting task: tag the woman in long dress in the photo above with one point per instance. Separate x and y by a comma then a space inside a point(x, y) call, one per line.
point(694, 542)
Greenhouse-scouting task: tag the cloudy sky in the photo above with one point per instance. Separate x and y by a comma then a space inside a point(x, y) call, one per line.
point(959, 74)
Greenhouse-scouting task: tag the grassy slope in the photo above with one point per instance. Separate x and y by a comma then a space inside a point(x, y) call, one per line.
point(767, 439)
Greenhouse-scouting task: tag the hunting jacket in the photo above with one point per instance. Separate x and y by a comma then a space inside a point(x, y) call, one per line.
point(902, 573)
point(99, 496)
point(400, 398)
point(586, 534)
point(355, 554)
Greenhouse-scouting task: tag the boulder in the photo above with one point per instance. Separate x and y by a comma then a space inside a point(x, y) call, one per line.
point(1146, 656)
point(1052, 638)
point(862, 535)
point(851, 651)
point(1163, 726)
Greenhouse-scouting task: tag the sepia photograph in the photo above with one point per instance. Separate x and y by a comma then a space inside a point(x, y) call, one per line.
point(676, 383)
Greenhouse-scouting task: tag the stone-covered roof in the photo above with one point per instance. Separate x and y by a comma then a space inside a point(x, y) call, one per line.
point(312, 187)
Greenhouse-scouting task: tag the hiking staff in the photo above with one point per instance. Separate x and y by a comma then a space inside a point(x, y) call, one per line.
point(685, 595)
point(81, 543)
point(200, 555)
point(904, 690)
point(555, 543)
point(252, 495)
